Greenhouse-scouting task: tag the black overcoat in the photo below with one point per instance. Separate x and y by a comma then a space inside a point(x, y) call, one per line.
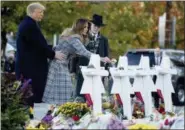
point(32, 55)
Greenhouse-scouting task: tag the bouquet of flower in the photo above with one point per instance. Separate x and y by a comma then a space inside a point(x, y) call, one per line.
point(161, 109)
point(74, 110)
point(142, 127)
point(138, 111)
point(39, 127)
point(35, 125)
point(115, 123)
point(172, 121)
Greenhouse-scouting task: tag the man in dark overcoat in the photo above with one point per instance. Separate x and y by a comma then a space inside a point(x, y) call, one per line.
point(98, 44)
point(157, 61)
point(33, 51)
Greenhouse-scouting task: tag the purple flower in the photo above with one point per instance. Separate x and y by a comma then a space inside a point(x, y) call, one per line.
point(25, 84)
point(115, 123)
point(47, 119)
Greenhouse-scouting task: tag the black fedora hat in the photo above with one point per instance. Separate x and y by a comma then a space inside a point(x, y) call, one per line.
point(97, 20)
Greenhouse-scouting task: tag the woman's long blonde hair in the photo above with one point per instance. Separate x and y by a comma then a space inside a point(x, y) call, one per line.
point(77, 28)
point(67, 32)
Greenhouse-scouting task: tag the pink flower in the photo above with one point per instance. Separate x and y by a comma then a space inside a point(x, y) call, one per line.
point(166, 122)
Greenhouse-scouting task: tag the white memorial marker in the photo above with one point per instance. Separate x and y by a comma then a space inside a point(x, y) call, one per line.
point(164, 82)
point(122, 86)
point(92, 82)
point(143, 83)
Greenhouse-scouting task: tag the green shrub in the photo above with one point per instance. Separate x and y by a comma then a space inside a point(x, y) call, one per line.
point(13, 113)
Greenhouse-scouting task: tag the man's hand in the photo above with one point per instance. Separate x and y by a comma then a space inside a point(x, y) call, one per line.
point(59, 55)
point(106, 60)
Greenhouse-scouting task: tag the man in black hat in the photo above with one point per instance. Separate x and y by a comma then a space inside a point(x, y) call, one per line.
point(98, 44)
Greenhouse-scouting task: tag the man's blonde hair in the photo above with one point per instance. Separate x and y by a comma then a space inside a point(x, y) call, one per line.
point(31, 7)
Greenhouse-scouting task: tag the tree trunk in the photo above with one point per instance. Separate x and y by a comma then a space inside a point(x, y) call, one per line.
point(168, 24)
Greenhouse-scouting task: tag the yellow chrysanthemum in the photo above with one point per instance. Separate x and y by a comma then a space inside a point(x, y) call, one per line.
point(41, 127)
point(29, 127)
point(72, 108)
point(142, 127)
point(31, 110)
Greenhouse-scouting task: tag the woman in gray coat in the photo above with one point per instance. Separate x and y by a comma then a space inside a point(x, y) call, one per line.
point(59, 85)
